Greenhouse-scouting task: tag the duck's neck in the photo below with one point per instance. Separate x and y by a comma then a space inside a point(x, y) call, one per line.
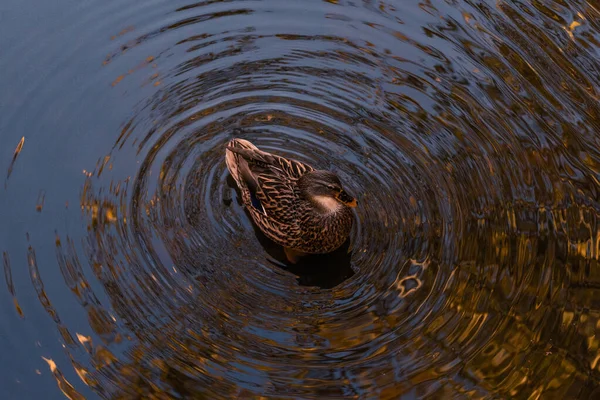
point(326, 205)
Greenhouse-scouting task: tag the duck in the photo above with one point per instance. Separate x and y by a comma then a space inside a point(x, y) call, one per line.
point(303, 209)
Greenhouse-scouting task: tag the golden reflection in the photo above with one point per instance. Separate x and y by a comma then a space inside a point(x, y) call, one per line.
point(66, 388)
point(40, 201)
point(16, 153)
point(473, 270)
point(9, 283)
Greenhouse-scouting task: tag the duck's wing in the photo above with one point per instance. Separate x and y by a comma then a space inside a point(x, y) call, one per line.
point(271, 184)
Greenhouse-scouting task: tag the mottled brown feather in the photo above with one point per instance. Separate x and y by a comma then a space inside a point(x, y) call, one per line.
point(285, 217)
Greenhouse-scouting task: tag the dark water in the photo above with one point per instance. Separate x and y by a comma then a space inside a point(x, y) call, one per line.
point(468, 129)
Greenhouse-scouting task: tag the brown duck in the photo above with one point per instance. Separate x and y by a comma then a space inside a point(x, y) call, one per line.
point(307, 211)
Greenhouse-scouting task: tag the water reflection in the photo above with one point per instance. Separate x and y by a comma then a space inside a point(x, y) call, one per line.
point(469, 132)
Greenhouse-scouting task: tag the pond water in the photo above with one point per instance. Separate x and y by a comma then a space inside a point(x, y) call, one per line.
point(468, 130)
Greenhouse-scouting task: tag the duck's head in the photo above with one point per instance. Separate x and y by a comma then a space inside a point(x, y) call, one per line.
point(325, 189)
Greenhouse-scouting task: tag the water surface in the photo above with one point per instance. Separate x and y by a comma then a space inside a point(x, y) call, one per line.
point(468, 130)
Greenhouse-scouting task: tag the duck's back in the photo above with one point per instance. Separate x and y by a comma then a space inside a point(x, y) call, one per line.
point(268, 186)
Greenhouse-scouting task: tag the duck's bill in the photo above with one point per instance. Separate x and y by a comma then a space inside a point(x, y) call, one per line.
point(353, 203)
point(347, 199)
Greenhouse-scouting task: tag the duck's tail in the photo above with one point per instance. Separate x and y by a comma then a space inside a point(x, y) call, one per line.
point(234, 160)
point(241, 172)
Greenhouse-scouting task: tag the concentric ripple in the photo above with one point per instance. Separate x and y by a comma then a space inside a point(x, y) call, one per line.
point(469, 134)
